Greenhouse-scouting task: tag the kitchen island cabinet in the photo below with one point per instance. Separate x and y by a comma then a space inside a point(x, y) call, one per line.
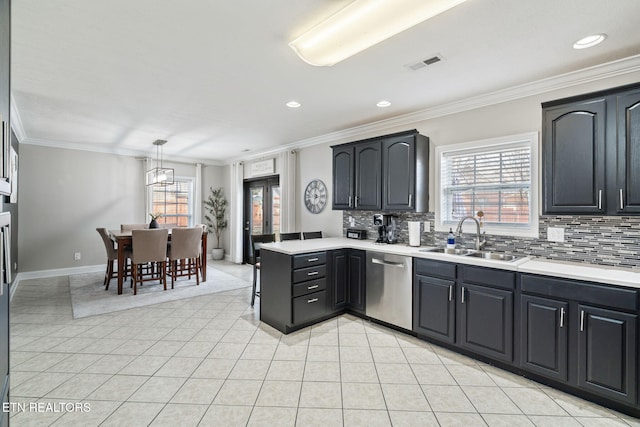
point(348, 280)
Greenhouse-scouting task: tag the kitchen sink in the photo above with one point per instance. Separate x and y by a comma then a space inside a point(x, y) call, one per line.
point(493, 256)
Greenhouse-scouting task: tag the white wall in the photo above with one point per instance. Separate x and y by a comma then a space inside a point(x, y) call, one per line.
point(65, 195)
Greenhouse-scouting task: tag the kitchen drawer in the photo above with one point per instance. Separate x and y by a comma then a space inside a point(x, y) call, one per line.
point(310, 286)
point(626, 299)
point(311, 273)
point(428, 267)
point(488, 276)
point(308, 260)
point(309, 307)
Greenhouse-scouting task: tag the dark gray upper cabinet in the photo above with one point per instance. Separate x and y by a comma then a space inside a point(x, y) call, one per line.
point(343, 175)
point(368, 176)
point(628, 152)
point(574, 158)
point(390, 172)
point(591, 153)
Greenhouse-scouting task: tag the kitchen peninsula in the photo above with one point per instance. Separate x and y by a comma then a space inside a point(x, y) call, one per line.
point(572, 326)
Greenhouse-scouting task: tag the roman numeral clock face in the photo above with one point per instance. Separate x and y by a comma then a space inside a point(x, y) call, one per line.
point(315, 196)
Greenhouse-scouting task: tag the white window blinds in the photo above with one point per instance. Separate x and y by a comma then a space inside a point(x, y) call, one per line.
point(495, 180)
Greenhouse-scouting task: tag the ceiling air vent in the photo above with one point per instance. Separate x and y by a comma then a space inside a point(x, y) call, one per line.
point(414, 66)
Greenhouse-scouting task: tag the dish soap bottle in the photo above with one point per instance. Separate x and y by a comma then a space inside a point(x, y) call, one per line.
point(451, 240)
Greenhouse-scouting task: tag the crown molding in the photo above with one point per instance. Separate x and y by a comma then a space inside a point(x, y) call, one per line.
point(16, 121)
point(586, 75)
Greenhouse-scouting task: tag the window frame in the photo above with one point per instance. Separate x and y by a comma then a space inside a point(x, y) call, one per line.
point(191, 181)
point(529, 139)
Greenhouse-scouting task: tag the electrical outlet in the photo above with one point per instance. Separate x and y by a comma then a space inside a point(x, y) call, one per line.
point(555, 234)
point(76, 256)
point(427, 227)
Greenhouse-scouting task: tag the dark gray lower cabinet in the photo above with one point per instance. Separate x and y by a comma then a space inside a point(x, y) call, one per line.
point(486, 321)
point(434, 308)
point(543, 336)
point(607, 359)
point(348, 278)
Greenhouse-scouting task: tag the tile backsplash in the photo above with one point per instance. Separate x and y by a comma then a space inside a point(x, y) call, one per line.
point(606, 240)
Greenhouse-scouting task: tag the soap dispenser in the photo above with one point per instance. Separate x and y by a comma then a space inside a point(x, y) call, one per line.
point(451, 240)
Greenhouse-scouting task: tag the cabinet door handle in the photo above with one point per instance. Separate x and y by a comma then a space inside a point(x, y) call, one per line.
point(621, 200)
point(312, 300)
point(562, 317)
point(357, 200)
point(599, 199)
point(349, 201)
point(312, 259)
point(312, 287)
point(462, 296)
point(313, 273)
point(581, 320)
point(450, 292)
point(410, 199)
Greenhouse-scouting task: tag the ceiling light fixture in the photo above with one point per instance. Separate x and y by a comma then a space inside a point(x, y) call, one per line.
point(589, 41)
point(383, 104)
point(361, 25)
point(160, 175)
point(293, 104)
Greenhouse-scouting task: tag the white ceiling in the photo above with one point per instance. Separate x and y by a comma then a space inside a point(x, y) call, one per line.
point(213, 76)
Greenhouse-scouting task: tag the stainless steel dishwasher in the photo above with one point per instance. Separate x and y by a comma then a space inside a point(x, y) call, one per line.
point(389, 290)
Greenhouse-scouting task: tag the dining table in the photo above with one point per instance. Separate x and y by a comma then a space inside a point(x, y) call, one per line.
point(124, 239)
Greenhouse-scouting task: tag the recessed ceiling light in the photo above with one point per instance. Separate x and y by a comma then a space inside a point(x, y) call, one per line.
point(383, 104)
point(589, 41)
point(293, 104)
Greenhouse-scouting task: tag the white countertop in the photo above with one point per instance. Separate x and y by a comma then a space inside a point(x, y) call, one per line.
point(569, 270)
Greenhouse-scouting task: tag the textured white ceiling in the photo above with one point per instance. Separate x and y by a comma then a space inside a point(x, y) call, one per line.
point(213, 77)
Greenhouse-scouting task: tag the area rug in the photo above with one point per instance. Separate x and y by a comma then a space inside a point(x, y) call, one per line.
point(89, 298)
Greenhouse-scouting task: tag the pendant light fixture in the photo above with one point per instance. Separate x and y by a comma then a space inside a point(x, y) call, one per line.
point(362, 24)
point(160, 175)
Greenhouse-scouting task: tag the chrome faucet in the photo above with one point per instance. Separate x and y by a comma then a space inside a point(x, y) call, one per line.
point(479, 243)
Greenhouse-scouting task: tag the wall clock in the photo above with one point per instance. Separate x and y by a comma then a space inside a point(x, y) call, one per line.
point(315, 196)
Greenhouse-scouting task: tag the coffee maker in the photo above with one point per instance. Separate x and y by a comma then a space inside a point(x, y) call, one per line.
point(387, 228)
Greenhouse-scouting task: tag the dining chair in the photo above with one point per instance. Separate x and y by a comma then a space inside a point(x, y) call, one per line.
point(184, 253)
point(149, 246)
point(257, 240)
point(289, 236)
point(112, 256)
point(312, 235)
point(129, 227)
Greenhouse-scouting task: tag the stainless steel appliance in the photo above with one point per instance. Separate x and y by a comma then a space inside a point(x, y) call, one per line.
point(353, 233)
point(389, 290)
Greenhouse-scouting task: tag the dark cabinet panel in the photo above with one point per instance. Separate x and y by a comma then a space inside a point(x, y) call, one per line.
point(398, 172)
point(368, 176)
point(628, 188)
point(356, 282)
point(607, 359)
point(544, 339)
point(343, 176)
point(574, 157)
point(434, 308)
point(485, 317)
point(309, 307)
point(339, 269)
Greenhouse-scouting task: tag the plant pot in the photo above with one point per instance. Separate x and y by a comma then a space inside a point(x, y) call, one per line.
point(153, 224)
point(217, 253)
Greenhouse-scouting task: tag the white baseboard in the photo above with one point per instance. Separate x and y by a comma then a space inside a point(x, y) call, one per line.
point(52, 273)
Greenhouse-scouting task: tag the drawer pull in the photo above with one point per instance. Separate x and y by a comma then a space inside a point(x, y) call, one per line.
point(312, 300)
point(313, 273)
point(450, 292)
point(621, 200)
point(312, 259)
point(600, 199)
point(462, 296)
point(312, 287)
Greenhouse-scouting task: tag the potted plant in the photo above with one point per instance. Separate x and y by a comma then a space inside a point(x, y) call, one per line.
point(154, 217)
point(215, 218)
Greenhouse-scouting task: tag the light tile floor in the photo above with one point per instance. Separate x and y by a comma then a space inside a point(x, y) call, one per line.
point(209, 361)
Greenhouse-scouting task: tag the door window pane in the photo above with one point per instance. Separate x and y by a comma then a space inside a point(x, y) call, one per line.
point(257, 211)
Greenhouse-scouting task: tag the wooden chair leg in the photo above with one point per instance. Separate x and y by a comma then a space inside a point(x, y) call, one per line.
point(197, 272)
point(163, 266)
point(135, 279)
point(174, 265)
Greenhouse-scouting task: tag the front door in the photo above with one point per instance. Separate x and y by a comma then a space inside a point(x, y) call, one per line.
point(261, 210)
